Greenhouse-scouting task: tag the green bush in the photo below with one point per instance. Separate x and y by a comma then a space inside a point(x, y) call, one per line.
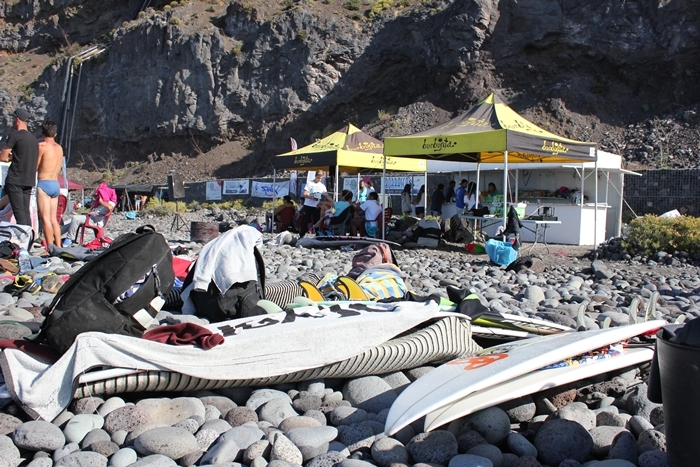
point(236, 204)
point(379, 6)
point(352, 5)
point(652, 233)
point(156, 207)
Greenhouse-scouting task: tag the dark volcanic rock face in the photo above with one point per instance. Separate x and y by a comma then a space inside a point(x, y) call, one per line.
point(621, 73)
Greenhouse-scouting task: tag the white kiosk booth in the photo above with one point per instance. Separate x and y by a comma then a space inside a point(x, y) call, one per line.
point(540, 185)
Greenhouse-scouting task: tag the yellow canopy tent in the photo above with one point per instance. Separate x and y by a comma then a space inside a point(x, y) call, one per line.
point(491, 132)
point(348, 149)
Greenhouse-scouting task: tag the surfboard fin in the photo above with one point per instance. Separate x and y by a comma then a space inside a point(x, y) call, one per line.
point(269, 307)
point(651, 306)
point(581, 317)
point(311, 291)
point(633, 309)
point(355, 292)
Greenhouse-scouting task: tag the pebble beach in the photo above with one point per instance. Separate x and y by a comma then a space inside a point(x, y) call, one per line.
point(607, 421)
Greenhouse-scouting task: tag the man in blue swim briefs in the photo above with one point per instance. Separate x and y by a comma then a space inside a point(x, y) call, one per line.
point(49, 165)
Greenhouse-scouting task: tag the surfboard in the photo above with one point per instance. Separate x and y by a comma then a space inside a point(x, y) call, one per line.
point(534, 325)
point(499, 333)
point(531, 383)
point(458, 378)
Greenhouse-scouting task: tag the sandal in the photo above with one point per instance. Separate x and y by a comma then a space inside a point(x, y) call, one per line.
point(23, 283)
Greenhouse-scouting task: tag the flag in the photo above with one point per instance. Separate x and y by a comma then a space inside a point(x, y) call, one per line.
point(293, 143)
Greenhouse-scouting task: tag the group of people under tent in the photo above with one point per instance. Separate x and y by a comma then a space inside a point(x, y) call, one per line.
point(465, 197)
point(37, 163)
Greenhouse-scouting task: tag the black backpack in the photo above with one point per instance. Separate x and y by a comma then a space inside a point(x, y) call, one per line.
point(118, 292)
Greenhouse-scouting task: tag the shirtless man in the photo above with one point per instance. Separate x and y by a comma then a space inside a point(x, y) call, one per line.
point(48, 167)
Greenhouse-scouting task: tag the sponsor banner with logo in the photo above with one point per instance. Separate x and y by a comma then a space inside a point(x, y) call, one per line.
point(214, 190)
point(240, 186)
point(270, 190)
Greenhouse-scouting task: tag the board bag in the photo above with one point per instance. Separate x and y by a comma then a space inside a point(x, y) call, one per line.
point(118, 292)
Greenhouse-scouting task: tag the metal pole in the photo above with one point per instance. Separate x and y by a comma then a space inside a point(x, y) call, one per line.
point(72, 119)
point(583, 178)
point(337, 181)
point(273, 227)
point(383, 197)
point(505, 187)
point(595, 185)
point(478, 176)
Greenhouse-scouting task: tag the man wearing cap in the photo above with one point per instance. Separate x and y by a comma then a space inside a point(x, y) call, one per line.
point(22, 149)
point(460, 193)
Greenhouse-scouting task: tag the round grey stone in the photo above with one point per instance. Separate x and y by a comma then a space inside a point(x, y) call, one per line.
point(82, 459)
point(306, 402)
point(639, 425)
point(38, 436)
point(317, 415)
point(167, 441)
point(652, 438)
point(488, 451)
point(347, 416)
point(656, 416)
point(65, 450)
point(9, 454)
point(79, 426)
point(109, 405)
point(581, 415)
point(224, 404)
point(87, 405)
point(95, 436)
point(123, 457)
point(603, 437)
point(607, 418)
point(211, 412)
point(8, 423)
point(624, 446)
point(436, 447)
point(156, 460)
point(356, 437)
point(330, 459)
point(370, 393)
point(261, 396)
point(298, 422)
point(284, 449)
point(276, 410)
point(239, 415)
point(171, 411)
point(205, 438)
point(520, 410)
point(106, 448)
point(557, 440)
point(126, 418)
point(492, 423)
point(653, 459)
point(255, 450)
point(520, 446)
point(388, 450)
point(638, 403)
point(36, 462)
point(191, 425)
point(222, 452)
point(312, 441)
point(469, 460)
point(244, 435)
point(468, 440)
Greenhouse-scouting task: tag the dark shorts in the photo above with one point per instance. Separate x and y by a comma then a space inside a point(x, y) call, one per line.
point(50, 187)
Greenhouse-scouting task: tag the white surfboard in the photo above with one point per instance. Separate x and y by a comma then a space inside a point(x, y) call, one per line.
point(509, 321)
point(500, 333)
point(531, 383)
point(458, 378)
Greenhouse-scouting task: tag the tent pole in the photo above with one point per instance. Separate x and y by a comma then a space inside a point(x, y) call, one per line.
point(583, 179)
point(274, 198)
point(337, 181)
point(478, 175)
point(517, 176)
point(383, 197)
point(595, 184)
point(505, 188)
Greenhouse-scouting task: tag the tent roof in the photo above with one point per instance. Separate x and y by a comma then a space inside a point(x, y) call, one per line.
point(71, 185)
point(350, 149)
point(484, 133)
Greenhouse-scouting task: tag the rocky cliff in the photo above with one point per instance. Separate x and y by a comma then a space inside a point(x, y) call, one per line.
point(185, 78)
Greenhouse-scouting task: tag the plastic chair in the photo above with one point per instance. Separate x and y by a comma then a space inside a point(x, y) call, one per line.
point(98, 230)
point(384, 221)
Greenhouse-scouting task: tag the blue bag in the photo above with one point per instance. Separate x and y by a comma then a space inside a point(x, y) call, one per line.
point(501, 253)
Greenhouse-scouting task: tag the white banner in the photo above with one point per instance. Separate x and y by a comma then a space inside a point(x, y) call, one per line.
point(214, 190)
point(418, 181)
point(394, 185)
point(270, 190)
point(238, 186)
point(351, 184)
point(293, 183)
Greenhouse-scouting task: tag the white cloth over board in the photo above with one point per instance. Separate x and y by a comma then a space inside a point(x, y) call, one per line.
point(268, 345)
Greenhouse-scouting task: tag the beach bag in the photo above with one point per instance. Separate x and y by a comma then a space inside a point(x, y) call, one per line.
point(118, 292)
point(370, 256)
point(501, 253)
point(22, 235)
point(239, 301)
point(459, 231)
point(428, 233)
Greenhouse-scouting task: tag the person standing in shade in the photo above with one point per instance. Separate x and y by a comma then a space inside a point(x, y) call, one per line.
point(49, 165)
point(461, 193)
point(22, 149)
point(450, 191)
point(406, 200)
point(362, 192)
point(313, 192)
point(437, 200)
point(420, 202)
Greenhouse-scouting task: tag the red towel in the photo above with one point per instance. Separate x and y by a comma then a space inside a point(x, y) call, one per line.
point(181, 267)
point(185, 334)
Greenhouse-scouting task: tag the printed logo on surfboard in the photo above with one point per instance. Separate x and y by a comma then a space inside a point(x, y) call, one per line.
point(473, 363)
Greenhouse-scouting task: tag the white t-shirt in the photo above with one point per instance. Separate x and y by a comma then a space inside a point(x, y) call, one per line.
point(372, 209)
point(314, 190)
point(470, 201)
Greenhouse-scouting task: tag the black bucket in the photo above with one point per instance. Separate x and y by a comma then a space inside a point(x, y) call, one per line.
point(203, 232)
point(679, 369)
